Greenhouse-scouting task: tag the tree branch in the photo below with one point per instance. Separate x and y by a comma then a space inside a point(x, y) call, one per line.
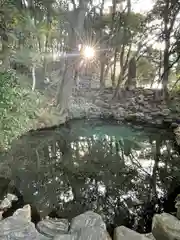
point(170, 66)
point(73, 3)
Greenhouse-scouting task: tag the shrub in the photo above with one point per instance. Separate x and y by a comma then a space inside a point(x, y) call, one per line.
point(17, 108)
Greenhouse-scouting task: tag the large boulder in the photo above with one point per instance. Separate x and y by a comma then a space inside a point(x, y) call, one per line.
point(166, 227)
point(89, 226)
point(102, 104)
point(87, 219)
point(16, 228)
point(166, 112)
point(53, 227)
point(150, 236)
point(24, 213)
point(66, 237)
point(124, 233)
point(7, 201)
point(177, 134)
point(93, 233)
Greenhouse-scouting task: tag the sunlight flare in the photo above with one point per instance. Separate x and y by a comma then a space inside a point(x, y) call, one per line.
point(88, 52)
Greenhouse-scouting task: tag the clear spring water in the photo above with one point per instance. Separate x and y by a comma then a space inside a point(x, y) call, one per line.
point(121, 172)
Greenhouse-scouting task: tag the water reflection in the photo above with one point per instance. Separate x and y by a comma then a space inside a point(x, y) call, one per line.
point(117, 171)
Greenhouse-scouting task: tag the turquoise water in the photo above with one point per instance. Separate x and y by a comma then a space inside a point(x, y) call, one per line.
point(119, 171)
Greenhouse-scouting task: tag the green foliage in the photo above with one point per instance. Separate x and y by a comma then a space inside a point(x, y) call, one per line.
point(17, 108)
point(146, 71)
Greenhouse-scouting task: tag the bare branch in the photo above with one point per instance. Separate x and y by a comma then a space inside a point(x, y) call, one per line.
point(74, 4)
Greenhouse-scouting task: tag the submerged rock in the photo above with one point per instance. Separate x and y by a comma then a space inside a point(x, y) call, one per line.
point(53, 227)
point(166, 227)
point(124, 233)
point(87, 219)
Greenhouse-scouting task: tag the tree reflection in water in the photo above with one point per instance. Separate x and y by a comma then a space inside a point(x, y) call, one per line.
point(117, 171)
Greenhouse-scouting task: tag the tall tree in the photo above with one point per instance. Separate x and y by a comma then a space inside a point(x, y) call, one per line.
point(167, 12)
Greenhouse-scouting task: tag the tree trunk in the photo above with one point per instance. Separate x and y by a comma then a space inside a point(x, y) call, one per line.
point(46, 45)
point(102, 84)
point(75, 33)
point(33, 78)
point(114, 69)
point(166, 50)
point(166, 66)
point(121, 75)
point(131, 81)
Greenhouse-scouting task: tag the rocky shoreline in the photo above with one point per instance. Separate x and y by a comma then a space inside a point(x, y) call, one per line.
point(139, 106)
point(142, 106)
point(87, 226)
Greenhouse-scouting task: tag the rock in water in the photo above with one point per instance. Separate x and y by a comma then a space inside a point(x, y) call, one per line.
point(87, 219)
point(123, 233)
point(93, 233)
point(16, 228)
point(24, 213)
point(12, 197)
point(53, 227)
point(150, 236)
point(6, 203)
point(1, 215)
point(166, 227)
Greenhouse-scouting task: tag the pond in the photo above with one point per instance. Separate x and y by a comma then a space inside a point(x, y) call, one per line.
point(122, 172)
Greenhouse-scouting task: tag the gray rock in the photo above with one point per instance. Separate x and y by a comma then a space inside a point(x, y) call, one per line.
point(166, 112)
point(93, 233)
point(150, 236)
point(148, 92)
point(101, 103)
point(16, 228)
point(135, 116)
point(12, 197)
point(123, 233)
point(155, 113)
point(174, 125)
point(66, 237)
point(148, 118)
point(87, 219)
point(1, 215)
point(168, 120)
point(6, 203)
point(24, 213)
point(177, 131)
point(141, 98)
point(53, 227)
point(178, 140)
point(159, 121)
point(166, 227)
point(121, 112)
